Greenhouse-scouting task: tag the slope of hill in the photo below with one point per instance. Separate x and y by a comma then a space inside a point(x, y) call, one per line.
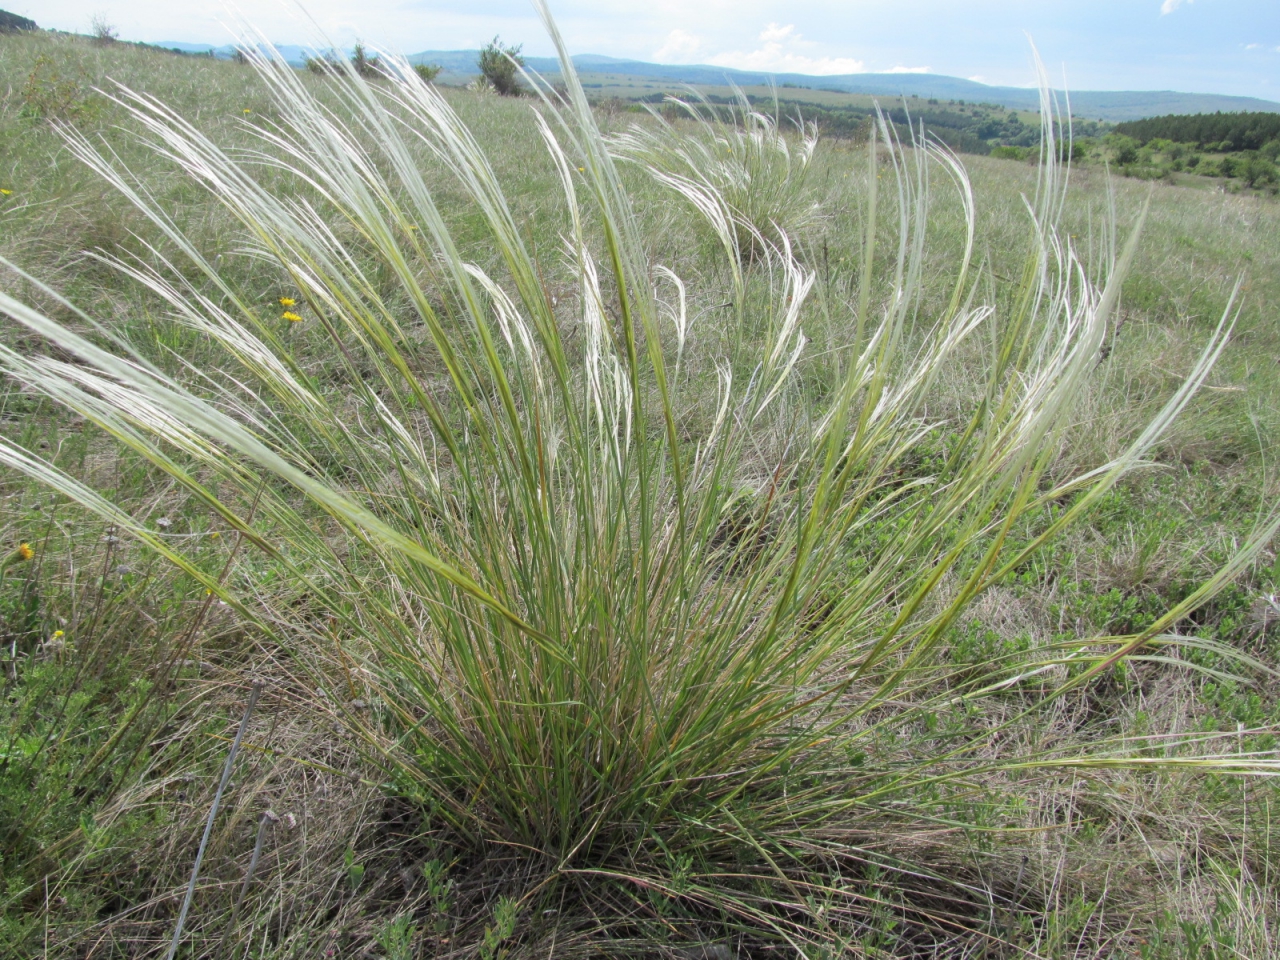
point(1113, 105)
point(293, 54)
point(1110, 105)
point(11, 22)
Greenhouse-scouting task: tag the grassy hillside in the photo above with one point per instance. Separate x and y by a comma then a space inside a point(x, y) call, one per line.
point(574, 606)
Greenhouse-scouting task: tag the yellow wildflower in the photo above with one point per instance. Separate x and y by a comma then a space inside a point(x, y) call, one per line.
point(24, 551)
point(247, 111)
point(287, 302)
point(57, 635)
point(4, 192)
point(290, 316)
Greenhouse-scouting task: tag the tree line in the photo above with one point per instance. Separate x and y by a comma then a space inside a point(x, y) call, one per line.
point(1225, 132)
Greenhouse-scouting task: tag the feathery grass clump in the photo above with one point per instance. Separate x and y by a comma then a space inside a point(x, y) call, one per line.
point(737, 165)
point(661, 648)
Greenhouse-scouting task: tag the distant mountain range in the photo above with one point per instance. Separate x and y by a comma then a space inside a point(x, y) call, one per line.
point(1112, 105)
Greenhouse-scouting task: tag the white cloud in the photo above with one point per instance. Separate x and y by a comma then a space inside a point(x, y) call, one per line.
point(679, 47)
point(774, 33)
point(1252, 46)
point(783, 50)
point(907, 70)
point(1171, 5)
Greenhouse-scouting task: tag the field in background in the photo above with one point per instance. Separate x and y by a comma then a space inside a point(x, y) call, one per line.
point(970, 127)
point(999, 121)
point(109, 763)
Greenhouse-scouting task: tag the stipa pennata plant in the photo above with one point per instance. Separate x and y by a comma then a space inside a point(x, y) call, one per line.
point(648, 625)
point(747, 170)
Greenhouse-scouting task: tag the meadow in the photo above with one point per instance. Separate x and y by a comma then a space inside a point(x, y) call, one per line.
point(493, 527)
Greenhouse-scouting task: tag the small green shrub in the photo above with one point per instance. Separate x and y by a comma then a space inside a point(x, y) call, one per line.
point(505, 913)
point(102, 30)
point(1124, 150)
point(428, 71)
point(500, 67)
point(1010, 153)
point(322, 65)
point(397, 938)
point(365, 65)
point(50, 94)
point(1257, 171)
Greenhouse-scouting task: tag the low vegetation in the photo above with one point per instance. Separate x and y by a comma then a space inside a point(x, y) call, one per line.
point(691, 537)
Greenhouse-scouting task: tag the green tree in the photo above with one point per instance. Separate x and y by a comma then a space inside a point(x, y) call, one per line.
point(321, 65)
point(365, 65)
point(427, 71)
point(1124, 150)
point(1257, 172)
point(102, 30)
point(499, 65)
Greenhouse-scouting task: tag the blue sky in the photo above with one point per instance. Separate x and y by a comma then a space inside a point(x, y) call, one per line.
point(1201, 46)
